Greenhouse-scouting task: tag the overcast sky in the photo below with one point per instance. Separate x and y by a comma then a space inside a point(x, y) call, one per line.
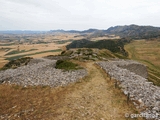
point(76, 14)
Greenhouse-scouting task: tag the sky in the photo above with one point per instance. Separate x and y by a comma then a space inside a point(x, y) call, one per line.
point(76, 14)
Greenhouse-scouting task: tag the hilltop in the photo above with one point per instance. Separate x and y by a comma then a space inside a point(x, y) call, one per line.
point(115, 46)
point(135, 31)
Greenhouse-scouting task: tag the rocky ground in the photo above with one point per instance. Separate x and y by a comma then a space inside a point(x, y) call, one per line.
point(144, 94)
point(93, 98)
point(40, 72)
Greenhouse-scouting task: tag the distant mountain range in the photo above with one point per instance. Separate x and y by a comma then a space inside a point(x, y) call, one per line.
point(126, 31)
point(74, 31)
point(135, 31)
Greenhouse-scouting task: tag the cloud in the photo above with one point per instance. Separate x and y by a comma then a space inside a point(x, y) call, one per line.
point(76, 14)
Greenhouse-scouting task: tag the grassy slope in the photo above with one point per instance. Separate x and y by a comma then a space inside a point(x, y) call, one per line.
point(147, 52)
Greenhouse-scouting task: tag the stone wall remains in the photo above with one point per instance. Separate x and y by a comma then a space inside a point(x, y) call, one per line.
point(143, 93)
point(41, 72)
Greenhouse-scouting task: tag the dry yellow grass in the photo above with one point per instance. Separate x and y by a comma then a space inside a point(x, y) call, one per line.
point(67, 36)
point(92, 98)
point(147, 52)
point(40, 47)
point(51, 38)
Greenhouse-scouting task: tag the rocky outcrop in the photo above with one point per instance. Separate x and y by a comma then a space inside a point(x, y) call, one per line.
point(143, 93)
point(40, 72)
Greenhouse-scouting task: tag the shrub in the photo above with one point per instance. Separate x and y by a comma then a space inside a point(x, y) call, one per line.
point(66, 65)
point(63, 52)
point(17, 63)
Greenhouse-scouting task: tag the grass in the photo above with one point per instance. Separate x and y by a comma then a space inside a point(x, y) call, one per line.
point(16, 63)
point(20, 56)
point(120, 56)
point(85, 54)
point(17, 52)
point(5, 49)
point(154, 76)
point(154, 79)
point(147, 52)
point(9, 44)
point(62, 41)
point(66, 65)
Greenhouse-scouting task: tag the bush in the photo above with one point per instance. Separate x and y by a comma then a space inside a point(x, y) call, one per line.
point(17, 63)
point(66, 65)
point(63, 52)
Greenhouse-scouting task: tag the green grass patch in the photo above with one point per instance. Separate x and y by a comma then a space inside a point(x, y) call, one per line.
point(17, 52)
point(66, 65)
point(62, 41)
point(20, 56)
point(120, 56)
point(8, 44)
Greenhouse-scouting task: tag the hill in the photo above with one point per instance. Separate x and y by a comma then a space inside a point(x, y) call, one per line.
point(135, 31)
point(74, 31)
point(115, 46)
point(126, 31)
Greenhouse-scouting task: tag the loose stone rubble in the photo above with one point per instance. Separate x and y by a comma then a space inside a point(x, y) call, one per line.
point(143, 93)
point(41, 72)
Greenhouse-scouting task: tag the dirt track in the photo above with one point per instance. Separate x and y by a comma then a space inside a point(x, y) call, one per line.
point(94, 99)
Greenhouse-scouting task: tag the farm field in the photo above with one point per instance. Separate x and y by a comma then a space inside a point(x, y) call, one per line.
point(147, 52)
point(33, 45)
point(35, 51)
point(38, 45)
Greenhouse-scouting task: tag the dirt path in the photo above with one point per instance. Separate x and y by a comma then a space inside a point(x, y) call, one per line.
point(93, 98)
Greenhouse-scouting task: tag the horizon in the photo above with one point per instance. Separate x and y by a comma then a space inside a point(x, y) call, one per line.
point(73, 29)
